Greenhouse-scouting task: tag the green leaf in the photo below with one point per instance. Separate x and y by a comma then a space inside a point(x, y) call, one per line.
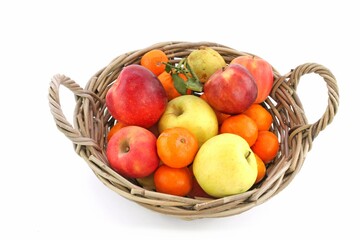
point(193, 82)
point(179, 84)
point(168, 67)
point(194, 85)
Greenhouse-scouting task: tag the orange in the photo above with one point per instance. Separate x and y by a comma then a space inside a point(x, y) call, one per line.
point(154, 61)
point(261, 169)
point(174, 181)
point(168, 83)
point(266, 146)
point(219, 115)
point(241, 125)
point(177, 147)
point(260, 115)
point(114, 129)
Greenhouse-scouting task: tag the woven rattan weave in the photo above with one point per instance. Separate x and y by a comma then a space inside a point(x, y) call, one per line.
point(92, 122)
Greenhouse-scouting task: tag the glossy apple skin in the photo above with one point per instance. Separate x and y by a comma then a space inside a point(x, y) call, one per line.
point(225, 165)
point(132, 152)
point(262, 72)
point(231, 90)
point(192, 113)
point(196, 190)
point(137, 97)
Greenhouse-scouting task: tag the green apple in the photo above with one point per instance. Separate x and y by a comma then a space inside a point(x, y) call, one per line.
point(225, 165)
point(192, 113)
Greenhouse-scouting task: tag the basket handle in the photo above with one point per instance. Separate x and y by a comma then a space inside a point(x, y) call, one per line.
point(333, 97)
point(61, 122)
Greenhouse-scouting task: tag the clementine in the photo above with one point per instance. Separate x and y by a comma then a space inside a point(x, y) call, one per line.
point(241, 125)
point(261, 169)
point(260, 115)
point(174, 181)
point(168, 83)
point(177, 147)
point(154, 61)
point(266, 146)
point(114, 129)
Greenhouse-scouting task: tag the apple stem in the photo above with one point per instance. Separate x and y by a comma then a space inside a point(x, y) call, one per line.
point(248, 154)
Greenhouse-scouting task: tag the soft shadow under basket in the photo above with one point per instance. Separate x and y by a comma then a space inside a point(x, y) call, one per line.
point(92, 122)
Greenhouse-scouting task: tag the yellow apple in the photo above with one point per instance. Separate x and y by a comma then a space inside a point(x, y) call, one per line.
point(193, 113)
point(225, 165)
point(147, 182)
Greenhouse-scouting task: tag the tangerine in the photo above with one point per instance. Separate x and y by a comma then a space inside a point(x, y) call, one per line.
point(241, 125)
point(174, 181)
point(115, 128)
point(266, 146)
point(260, 115)
point(154, 61)
point(261, 169)
point(168, 83)
point(177, 147)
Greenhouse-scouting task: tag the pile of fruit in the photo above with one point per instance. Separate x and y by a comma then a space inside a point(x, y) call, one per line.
point(194, 128)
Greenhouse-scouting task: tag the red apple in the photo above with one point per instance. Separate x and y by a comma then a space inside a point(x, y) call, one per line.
point(196, 190)
point(137, 97)
point(231, 90)
point(131, 152)
point(262, 72)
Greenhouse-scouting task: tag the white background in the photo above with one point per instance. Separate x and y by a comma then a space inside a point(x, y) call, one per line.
point(49, 192)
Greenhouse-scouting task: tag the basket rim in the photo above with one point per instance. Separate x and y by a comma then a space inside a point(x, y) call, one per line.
point(92, 121)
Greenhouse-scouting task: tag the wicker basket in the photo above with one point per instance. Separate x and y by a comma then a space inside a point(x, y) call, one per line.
point(92, 122)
